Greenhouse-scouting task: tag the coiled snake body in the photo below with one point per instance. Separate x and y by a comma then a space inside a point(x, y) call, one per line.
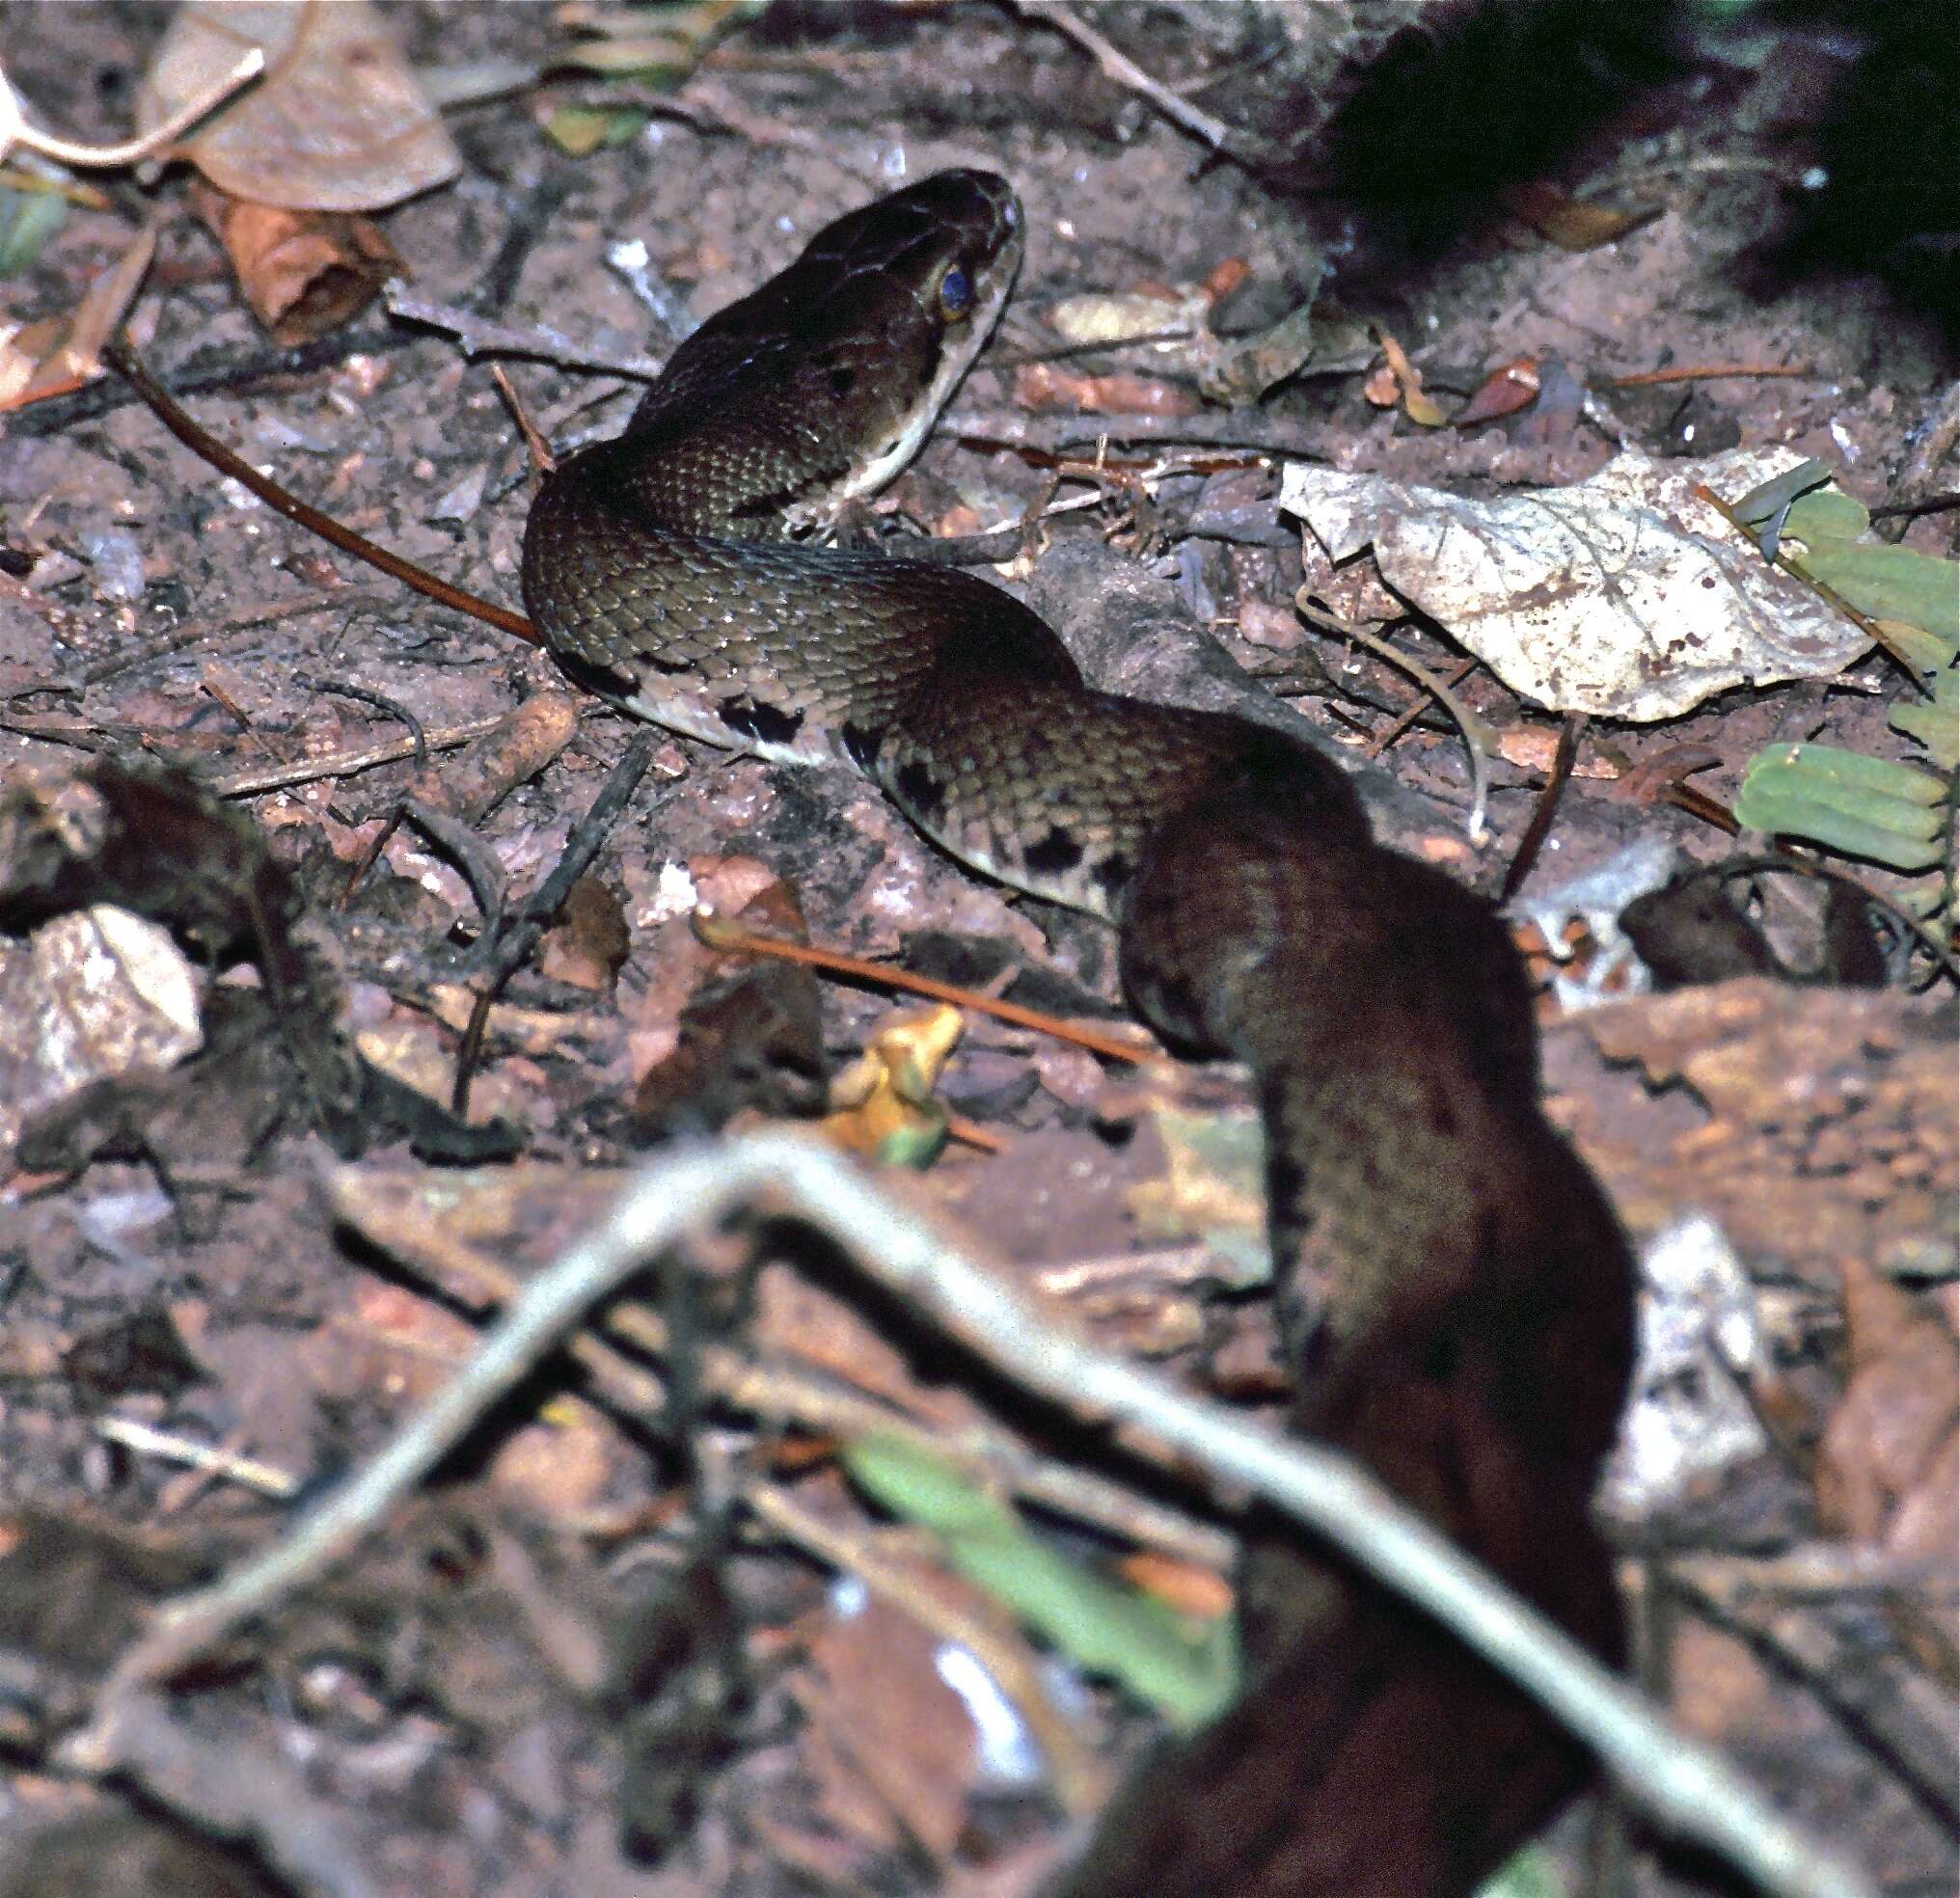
point(1453, 1287)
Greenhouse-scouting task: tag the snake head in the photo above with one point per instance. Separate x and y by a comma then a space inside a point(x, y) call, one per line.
point(830, 376)
point(913, 287)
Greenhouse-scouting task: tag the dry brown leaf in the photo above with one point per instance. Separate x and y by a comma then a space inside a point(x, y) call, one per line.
point(1420, 407)
point(590, 939)
point(735, 1033)
point(1536, 747)
point(1568, 222)
point(303, 273)
point(337, 124)
point(58, 353)
point(1049, 386)
point(1900, 1407)
point(1503, 391)
point(676, 961)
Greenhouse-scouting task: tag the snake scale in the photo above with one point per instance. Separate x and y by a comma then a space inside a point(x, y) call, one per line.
point(1455, 1295)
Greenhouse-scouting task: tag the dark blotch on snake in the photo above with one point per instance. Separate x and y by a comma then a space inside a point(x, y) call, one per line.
point(861, 743)
point(766, 725)
point(919, 789)
point(1112, 873)
point(1056, 853)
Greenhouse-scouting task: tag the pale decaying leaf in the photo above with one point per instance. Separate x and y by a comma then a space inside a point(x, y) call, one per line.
point(1175, 324)
point(91, 995)
point(336, 125)
point(189, 108)
point(1690, 1418)
point(1624, 596)
point(1106, 319)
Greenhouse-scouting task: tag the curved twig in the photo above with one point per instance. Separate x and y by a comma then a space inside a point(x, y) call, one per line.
point(1479, 759)
point(1688, 1787)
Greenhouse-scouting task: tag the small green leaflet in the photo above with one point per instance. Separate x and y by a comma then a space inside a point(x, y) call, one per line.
point(1895, 814)
point(1187, 1670)
point(1870, 807)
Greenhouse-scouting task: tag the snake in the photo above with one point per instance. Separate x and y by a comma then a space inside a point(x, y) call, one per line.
point(1453, 1294)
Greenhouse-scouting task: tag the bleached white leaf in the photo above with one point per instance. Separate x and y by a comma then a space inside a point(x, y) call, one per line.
point(1625, 596)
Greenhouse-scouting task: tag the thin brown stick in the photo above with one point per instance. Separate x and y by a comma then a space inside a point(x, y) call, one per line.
point(1699, 803)
point(258, 778)
point(971, 1133)
point(542, 460)
point(477, 335)
point(124, 361)
point(266, 613)
point(1472, 730)
point(1707, 372)
point(1546, 808)
point(1413, 711)
point(717, 934)
point(1119, 69)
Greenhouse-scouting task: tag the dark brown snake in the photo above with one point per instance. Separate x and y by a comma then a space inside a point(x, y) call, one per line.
point(1454, 1291)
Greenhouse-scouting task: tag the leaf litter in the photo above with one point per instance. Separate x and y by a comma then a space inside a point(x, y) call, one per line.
point(1749, 1109)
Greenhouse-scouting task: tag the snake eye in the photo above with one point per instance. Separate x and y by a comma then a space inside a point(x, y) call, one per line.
point(955, 292)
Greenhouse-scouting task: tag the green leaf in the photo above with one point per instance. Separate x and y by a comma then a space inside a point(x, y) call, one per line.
point(1936, 723)
point(1870, 807)
point(1826, 513)
point(1889, 583)
point(1924, 650)
point(1830, 766)
point(1771, 498)
point(28, 219)
point(917, 1146)
point(579, 131)
point(1530, 1872)
point(1189, 1670)
point(657, 45)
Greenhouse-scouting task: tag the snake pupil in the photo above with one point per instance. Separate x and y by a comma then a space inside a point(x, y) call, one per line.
point(955, 292)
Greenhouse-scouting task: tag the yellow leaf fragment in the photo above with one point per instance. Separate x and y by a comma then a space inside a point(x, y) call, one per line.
point(882, 1103)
